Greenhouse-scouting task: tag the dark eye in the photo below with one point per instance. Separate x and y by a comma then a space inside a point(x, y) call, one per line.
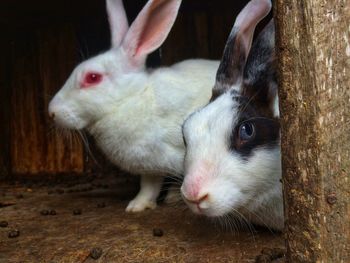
point(246, 131)
point(90, 79)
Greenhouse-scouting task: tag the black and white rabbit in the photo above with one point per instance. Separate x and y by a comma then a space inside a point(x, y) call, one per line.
point(233, 162)
point(135, 114)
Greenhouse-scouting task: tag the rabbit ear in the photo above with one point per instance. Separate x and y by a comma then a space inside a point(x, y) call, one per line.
point(260, 81)
point(118, 21)
point(150, 29)
point(237, 48)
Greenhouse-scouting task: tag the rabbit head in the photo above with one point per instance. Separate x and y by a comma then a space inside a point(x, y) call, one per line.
point(101, 83)
point(232, 163)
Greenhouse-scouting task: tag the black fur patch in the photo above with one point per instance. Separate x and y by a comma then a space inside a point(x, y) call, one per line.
point(260, 80)
point(232, 64)
point(259, 89)
point(267, 129)
point(237, 97)
point(216, 93)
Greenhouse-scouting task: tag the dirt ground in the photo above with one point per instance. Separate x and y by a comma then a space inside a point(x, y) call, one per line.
point(91, 225)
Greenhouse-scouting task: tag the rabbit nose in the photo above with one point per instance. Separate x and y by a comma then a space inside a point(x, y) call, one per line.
point(198, 200)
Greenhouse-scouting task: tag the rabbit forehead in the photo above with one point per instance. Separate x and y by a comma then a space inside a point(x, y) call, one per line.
point(209, 117)
point(209, 129)
point(213, 130)
point(109, 61)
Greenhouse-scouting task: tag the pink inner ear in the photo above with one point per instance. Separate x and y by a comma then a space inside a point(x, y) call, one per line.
point(91, 79)
point(248, 18)
point(156, 27)
point(150, 29)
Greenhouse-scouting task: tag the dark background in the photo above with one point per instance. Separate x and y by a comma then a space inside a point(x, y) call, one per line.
point(42, 41)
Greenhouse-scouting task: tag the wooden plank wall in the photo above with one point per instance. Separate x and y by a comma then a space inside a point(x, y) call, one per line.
point(39, 65)
point(42, 43)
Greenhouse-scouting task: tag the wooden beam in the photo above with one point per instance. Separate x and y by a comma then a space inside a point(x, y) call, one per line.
point(314, 68)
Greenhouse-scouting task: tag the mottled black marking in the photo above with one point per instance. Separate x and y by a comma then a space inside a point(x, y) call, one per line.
point(216, 92)
point(235, 93)
point(257, 72)
point(232, 64)
point(259, 90)
point(260, 80)
point(242, 101)
point(257, 76)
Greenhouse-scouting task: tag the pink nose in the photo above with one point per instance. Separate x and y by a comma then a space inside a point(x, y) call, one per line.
point(197, 200)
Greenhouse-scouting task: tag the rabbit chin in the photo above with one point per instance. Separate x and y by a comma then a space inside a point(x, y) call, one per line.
point(68, 121)
point(210, 211)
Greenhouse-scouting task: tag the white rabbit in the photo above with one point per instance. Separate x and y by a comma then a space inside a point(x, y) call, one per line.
point(134, 114)
point(232, 163)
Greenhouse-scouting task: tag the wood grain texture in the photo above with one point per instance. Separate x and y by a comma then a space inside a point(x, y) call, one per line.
point(40, 65)
point(200, 31)
point(314, 62)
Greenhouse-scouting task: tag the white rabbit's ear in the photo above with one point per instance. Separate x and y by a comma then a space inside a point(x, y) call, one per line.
point(150, 29)
point(118, 21)
point(238, 45)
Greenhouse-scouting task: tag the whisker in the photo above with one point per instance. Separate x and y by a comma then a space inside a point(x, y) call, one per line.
point(246, 223)
point(248, 102)
point(260, 219)
point(87, 146)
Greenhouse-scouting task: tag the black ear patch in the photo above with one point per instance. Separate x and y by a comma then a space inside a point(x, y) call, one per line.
point(233, 61)
point(232, 64)
point(260, 80)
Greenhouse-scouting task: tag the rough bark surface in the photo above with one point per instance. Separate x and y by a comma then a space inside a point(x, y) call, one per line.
point(314, 63)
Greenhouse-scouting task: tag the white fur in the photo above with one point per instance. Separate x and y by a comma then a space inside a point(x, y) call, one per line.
point(250, 187)
point(218, 179)
point(136, 118)
point(136, 115)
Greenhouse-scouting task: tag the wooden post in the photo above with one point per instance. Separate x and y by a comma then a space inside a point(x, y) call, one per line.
point(314, 69)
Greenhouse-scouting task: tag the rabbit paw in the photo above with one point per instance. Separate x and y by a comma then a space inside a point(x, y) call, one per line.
point(139, 205)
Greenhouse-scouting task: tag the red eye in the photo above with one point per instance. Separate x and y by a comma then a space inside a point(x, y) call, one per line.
point(91, 79)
